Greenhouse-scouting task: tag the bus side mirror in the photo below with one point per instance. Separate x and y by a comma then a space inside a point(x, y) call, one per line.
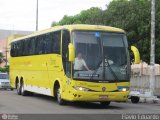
point(71, 50)
point(136, 55)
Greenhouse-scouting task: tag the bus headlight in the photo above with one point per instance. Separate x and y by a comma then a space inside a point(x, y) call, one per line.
point(123, 89)
point(80, 88)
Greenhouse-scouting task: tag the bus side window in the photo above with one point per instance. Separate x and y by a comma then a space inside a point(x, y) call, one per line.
point(22, 47)
point(47, 43)
point(15, 49)
point(65, 42)
point(56, 38)
point(43, 44)
point(12, 51)
point(32, 46)
point(25, 49)
point(19, 52)
point(39, 45)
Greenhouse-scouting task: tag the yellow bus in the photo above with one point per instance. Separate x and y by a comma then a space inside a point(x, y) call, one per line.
point(73, 63)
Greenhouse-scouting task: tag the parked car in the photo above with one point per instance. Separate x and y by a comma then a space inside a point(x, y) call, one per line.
point(4, 81)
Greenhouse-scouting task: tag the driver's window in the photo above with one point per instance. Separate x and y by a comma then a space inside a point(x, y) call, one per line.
point(65, 42)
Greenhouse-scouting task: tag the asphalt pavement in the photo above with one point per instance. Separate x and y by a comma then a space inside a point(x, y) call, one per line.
point(11, 103)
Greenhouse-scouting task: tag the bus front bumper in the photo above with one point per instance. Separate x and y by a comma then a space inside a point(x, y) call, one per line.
point(98, 96)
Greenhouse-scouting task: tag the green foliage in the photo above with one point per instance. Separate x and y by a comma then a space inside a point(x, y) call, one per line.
point(5, 69)
point(131, 15)
point(93, 15)
point(54, 23)
point(134, 17)
point(1, 57)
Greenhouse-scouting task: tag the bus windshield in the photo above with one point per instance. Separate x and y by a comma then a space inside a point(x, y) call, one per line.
point(100, 56)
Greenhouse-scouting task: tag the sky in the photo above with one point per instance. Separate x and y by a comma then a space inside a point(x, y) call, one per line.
point(21, 14)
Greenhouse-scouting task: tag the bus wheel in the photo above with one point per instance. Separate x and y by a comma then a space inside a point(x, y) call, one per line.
point(134, 99)
point(11, 89)
point(58, 96)
point(23, 92)
point(105, 104)
point(18, 88)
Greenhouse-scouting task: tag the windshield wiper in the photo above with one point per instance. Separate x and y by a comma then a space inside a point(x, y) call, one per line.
point(95, 71)
point(113, 73)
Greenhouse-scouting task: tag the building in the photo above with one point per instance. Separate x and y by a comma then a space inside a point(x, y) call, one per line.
point(5, 38)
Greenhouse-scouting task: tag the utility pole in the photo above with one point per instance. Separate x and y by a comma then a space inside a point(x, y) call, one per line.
point(152, 50)
point(6, 59)
point(6, 51)
point(37, 17)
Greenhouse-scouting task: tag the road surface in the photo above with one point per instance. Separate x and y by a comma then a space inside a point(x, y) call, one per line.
point(11, 103)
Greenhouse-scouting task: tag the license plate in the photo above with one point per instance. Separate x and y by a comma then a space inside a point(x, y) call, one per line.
point(103, 97)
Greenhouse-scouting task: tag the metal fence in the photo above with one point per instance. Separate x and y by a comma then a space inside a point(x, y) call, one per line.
point(141, 83)
point(144, 71)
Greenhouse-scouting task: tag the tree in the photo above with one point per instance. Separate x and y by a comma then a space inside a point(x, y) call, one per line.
point(93, 15)
point(131, 15)
point(54, 24)
point(5, 69)
point(134, 17)
point(1, 57)
point(157, 46)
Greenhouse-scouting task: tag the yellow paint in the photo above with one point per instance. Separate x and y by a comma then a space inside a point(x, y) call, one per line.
point(136, 55)
point(71, 52)
point(44, 70)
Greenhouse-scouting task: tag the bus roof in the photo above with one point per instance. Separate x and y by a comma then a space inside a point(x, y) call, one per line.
point(74, 27)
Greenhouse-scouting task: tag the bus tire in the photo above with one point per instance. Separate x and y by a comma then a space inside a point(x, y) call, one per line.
point(135, 99)
point(18, 86)
point(105, 104)
point(58, 95)
point(11, 89)
point(23, 92)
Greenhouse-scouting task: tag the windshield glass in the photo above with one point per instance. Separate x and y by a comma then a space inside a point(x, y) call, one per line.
point(3, 76)
point(100, 56)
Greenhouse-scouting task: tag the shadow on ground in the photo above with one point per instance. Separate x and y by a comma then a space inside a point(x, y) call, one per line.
point(86, 105)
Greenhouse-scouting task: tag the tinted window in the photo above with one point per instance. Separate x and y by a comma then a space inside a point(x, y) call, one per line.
point(65, 43)
point(12, 52)
point(66, 40)
point(56, 38)
point(32, 46)
point(42, 44)
point(26, 46)
point(49, 43)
